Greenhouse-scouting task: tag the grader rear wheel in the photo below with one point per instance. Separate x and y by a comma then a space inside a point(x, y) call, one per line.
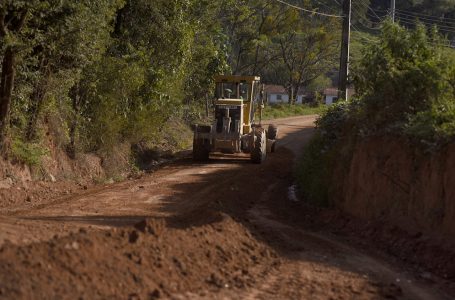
point(272, 132)
point(201, 146)
point(259, 152)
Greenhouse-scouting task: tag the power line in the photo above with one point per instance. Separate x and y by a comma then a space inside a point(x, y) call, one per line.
point(414, 23)
point(367, 14)
point(426, 18)
point(417, 20)
point(309, 11)
point(365, 19)
point(325, 5)
point(413, 19)
point(358, 9)
point(369, 8)
point(421, 14)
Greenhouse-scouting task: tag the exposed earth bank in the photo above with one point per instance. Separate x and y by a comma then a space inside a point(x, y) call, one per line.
point(227, 229)
point(409, 195)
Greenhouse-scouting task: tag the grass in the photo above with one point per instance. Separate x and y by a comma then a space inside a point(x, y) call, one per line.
point(286, 110)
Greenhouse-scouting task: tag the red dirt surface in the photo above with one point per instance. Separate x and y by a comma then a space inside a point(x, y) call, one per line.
point(149, 261)
point(221, 230)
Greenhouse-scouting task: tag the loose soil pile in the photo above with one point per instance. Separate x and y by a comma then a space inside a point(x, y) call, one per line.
point(146, 262)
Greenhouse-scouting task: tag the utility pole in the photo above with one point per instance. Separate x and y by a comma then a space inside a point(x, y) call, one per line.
point(344, 59)
point(392, 10)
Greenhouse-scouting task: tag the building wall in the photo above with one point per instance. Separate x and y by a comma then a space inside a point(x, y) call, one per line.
point(273, 98)
point(330, 99)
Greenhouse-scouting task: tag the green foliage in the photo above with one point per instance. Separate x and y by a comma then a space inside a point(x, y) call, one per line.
point(150, 73)
point(313, 171)
point(319, 84)
point(96, 74)
point(27, 153)
point(59, 40)
point(403, 75)
point(404, 86)
point(433, 126)
point(333, 122)
point(332, 145)
point(286, 110)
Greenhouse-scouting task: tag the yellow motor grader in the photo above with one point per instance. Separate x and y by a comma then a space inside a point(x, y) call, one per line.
point(238, 99)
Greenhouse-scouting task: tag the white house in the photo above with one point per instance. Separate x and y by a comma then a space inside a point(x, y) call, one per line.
point(330, 95)
point(277, 94)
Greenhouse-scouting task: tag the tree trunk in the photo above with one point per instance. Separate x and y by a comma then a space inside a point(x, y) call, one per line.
point(75, 97)
point(207, 106)
point(37, 98)
point(291, 92)
point(6, 90)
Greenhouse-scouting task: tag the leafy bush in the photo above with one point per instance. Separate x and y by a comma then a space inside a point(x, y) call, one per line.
point(29, 154)
point(313, 171)
point(405, 84)
point(436, 125)
point(338, 118)
point(406, 79)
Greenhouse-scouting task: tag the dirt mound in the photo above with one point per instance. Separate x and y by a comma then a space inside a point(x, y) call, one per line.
point(148, 261)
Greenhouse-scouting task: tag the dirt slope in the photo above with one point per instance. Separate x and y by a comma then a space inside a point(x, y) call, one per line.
point(221, 230)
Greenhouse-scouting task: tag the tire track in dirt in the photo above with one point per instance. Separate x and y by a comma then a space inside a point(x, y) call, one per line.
point(326, 268)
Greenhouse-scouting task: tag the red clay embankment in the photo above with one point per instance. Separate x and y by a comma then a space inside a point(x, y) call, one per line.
point(410, 192)
point(389, 179)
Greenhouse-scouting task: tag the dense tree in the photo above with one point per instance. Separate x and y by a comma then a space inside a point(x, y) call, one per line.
point(94, 74)
point(13, 17)
point(406, 79)
point(306, 55)
point(49, 43)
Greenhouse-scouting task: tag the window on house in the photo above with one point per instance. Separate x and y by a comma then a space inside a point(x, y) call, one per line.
point(278, 97)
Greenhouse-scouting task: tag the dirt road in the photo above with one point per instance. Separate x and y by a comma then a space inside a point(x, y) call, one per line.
point(227, 229)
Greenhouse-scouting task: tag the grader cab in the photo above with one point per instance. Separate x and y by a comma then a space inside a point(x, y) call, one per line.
point(239, 99)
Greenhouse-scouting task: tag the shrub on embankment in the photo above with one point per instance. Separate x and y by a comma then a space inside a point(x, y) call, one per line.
point(389, 153)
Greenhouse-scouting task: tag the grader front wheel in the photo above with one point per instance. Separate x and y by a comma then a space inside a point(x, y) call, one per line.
point(259, 151)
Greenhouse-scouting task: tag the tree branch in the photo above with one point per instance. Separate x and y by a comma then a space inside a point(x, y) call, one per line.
point(21, 21)
point(3, 30)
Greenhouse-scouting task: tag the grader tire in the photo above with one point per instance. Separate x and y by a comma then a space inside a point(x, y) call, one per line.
point(272, 132)
point(201, 150)
point(259, 152)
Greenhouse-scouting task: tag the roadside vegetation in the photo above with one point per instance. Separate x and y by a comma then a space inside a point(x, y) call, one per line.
point(405, 87)
point(98, 76)
point(94, 76)
point(286, 110)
